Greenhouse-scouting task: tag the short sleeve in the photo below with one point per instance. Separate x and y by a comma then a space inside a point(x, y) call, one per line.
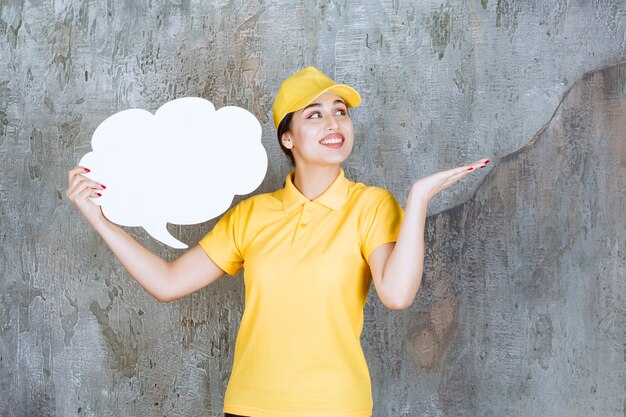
point(221, 245)
point(383, 222)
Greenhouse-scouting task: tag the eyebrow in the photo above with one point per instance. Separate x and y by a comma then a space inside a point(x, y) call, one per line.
point(318, 104)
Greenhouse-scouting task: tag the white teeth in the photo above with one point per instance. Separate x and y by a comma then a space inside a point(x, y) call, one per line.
point(331, 141)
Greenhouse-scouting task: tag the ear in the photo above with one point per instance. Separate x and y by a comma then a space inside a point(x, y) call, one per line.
point(286, 140)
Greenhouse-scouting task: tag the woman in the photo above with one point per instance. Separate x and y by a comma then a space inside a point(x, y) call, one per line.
point(310, 251)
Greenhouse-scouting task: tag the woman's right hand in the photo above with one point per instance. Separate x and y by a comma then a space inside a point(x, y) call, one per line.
point(80, 191)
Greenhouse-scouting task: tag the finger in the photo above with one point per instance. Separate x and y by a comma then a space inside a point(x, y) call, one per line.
point(75, 171)
point(462, 174)
point(481, 162)
point(74, 182)
point(83, 183)
point(463, 169)
point(454, 179)
point(89, 193)
point(76, 186)
point(459, 175)
point(80, 180)
point(75, 176)
point(86, 194)
point(454, 175)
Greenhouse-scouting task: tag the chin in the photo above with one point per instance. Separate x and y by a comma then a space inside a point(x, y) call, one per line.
point(337, 159)
point(326, 158)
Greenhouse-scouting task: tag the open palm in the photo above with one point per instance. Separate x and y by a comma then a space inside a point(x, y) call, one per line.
point(431, 185)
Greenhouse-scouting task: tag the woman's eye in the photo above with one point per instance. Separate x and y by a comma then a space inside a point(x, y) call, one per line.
point(315, 115)
point(340, 112)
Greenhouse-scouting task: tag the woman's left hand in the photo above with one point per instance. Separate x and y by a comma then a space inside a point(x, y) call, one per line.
point(430, 186)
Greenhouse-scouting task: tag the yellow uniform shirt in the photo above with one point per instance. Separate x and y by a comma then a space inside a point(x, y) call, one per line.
point(298, 350)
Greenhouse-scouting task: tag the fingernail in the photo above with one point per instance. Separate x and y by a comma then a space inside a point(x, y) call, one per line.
point(487, 161)
point(99, 195)
point(483, 166)
point(103, 186)
point(470, 168)
point(87, 170)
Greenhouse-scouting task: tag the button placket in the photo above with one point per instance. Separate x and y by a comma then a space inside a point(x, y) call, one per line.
point(305, 218)
point(307, 212)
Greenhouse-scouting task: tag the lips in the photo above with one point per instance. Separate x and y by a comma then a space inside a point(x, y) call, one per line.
point(334, 140)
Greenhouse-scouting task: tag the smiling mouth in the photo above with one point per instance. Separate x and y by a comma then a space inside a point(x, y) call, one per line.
point(333, 140)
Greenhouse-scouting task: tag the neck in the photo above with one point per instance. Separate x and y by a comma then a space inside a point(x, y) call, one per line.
point(313, 181)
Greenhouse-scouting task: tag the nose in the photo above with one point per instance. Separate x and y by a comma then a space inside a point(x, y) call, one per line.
point(332, 123)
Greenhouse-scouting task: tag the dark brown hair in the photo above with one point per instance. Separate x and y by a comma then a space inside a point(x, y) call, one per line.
point(283, 126)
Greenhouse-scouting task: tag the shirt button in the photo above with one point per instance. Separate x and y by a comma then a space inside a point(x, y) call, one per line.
point(309, 208)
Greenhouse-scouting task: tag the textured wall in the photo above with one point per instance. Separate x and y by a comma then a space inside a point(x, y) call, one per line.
point(522, 312)
point(522, 308)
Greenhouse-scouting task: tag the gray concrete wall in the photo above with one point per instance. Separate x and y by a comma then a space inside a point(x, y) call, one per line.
point(522, 307)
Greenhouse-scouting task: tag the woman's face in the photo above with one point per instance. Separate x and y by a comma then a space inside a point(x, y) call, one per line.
point(321, 133)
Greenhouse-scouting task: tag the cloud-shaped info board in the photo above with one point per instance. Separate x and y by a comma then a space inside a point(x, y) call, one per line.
point(181, 165)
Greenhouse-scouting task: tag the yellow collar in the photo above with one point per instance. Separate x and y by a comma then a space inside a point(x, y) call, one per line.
point(334, 197)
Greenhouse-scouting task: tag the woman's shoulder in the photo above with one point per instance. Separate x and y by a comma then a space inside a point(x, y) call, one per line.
point(368, 193)
point(259, 200)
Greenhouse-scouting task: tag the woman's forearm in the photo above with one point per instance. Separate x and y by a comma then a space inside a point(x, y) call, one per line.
point(165, 281)
point(402, 275)
point(148, 269)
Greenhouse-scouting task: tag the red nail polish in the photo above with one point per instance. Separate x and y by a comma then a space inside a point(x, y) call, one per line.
point(470, 168)
point(99, 195)
point(486, 161)
point(87, 170)
point(103, 186)
point(483, 166)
